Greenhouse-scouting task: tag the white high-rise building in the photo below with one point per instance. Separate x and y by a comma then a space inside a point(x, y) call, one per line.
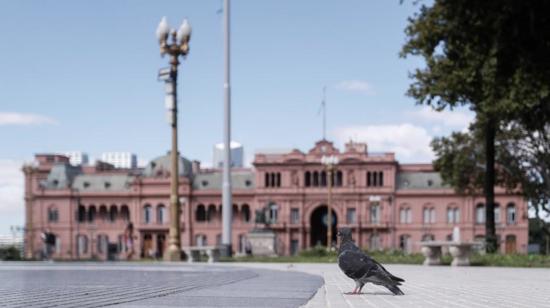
point(76, 157)
point(125, 160)
point(237, 155)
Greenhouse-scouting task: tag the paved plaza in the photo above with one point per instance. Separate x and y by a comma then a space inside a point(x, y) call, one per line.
point(139, 285)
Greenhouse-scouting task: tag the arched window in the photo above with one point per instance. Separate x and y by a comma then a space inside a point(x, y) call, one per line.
point(81, 213)
point(147, 214)
point(323, 179)
point(278, 179)
point(511, 213)
point(368, 179)
point(432, 215)
point(266, 179)
point(201, 240)
point(405, 243)
point(308, 178)
point(457, 215)
point(375, 212)
point(211, 213)
point(402, 215)
point(161, 214)
point(103, 213)
point(273, 212)
point(339, 178)
point(450, 215)
point(200, 214)
point(426, 215)
point(375, 179)
point(246, 213)
point(91, 214)
point(480, 213)
point(53, 215)
point(113, 213)
point(273, 183)
point(497, 212)
point(315, 179)
point(102, 242)
point(380, 178)
point(409, 215)
point(125, 213)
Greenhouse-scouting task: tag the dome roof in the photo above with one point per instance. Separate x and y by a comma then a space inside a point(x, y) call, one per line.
point(165, 162)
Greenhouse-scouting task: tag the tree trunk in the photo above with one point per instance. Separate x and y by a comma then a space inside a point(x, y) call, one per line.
point(490, 234)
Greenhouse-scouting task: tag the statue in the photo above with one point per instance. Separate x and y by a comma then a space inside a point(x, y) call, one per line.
point(351, 178)
point(294, 178)
point(261, 218)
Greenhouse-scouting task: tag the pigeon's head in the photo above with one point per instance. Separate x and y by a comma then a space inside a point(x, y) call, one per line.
point(345, 233)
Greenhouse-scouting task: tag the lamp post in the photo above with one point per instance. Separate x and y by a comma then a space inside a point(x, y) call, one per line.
point(329, 162)
point(178, 47)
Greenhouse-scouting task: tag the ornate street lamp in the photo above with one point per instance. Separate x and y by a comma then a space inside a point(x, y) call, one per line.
point(329, 162)
point(178, 47)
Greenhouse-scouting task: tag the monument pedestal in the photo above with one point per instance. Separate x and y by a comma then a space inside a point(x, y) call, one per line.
point(264, 243)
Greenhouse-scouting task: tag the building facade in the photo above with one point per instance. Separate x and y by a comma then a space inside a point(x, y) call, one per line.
point(237, 155)
point(76, 157)
point(385, 203)
point(125, 160)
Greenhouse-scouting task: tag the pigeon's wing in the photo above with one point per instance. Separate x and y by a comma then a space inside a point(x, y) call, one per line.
point(392, 277)
point(355, 264)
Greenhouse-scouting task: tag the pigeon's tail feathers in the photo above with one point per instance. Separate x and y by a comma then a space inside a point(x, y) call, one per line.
point(395, 290)
point(394, 278)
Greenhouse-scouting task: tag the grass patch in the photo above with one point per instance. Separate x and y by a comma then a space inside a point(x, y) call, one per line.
point(321, 255)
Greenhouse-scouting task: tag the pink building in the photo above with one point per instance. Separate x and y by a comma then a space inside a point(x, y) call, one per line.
point(387, 204)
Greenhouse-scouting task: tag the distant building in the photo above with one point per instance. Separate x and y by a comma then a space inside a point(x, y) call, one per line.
point(237, 155)
point(124, 160)
point(76, 158)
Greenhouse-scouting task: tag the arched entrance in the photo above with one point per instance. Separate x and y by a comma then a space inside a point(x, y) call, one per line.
point(318, 223)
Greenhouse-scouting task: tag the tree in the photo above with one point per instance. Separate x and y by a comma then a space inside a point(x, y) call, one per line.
point(491, 56)
point(522, 159)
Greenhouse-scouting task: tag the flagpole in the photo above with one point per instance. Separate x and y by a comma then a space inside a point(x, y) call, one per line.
point(324, 113)
point(227, 206)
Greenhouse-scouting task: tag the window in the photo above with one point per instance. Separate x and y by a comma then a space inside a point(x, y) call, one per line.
point(375, 242)
point(480, 213)
point(323, 179)
point(426, 215)
point(294, 247)
point(81, 213)
point(381, 179)
point(405, 243)
point(121, 244)
point(511, 214)
point(273, 212)
point(409, 216)
point(497, 213)
point(295, 215)
point(375, 212)
point(147, 214)
point(113, 213)
point(308, 178)
point(82, 242)
point(339, 178)
point(53, 215)
point(351, 215)
point(402, 215)
point(374, 179)
point(91, 214)
point(432, 215)
point(430, 182)
point(278, 180)
point(201, 240)
point(241, 243)
point(450, 215)
point(315, 179)
point(246, 213)
point(102, 242)
point(368, 179)
point(457, 215)
point(267, 180)
point(200, 214)
point(161, 214)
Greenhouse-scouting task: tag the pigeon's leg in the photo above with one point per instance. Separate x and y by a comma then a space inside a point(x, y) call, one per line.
point(352, 293)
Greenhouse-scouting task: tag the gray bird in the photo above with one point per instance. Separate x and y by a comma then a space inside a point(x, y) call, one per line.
point(360, 267)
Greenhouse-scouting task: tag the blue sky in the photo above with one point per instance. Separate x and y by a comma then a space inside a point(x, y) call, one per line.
point(78, 75)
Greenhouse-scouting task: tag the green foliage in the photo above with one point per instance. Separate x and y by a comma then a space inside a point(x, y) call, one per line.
point(10, 253)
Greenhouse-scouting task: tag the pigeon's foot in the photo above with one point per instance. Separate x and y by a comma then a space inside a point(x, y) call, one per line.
point(354, 292)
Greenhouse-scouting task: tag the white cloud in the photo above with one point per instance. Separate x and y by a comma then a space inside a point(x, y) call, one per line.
point(410, 143)
point(355, 85)
point(11, 187)
point(14, 118)
point(446, 117)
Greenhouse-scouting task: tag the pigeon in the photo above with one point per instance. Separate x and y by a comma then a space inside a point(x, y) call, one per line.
point(360, 267)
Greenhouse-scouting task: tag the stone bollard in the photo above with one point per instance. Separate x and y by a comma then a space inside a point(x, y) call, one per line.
point(432, 254)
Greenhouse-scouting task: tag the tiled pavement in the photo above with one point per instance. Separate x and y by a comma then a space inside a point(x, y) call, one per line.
point(139, 285)
point(443, 286)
